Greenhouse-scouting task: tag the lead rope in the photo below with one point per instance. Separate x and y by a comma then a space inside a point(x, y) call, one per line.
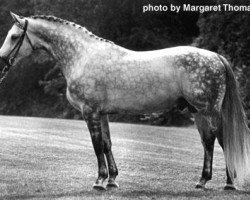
point(5, 73)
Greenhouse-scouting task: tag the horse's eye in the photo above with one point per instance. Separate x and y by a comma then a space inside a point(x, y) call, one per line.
point(14, 37)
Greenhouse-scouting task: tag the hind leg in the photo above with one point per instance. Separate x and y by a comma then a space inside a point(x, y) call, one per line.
point(207, 139)
point(113, 171)
point(230, 182)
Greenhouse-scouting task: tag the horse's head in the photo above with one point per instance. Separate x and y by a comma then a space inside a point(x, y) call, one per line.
point(18, 42)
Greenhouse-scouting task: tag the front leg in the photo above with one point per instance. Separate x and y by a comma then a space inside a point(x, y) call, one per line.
point(94, 125)
point(113, 171)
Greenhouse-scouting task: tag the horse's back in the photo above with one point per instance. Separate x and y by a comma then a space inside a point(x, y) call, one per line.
point(170, 52)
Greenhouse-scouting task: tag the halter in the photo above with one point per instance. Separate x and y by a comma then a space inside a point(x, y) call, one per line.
point(9, 60)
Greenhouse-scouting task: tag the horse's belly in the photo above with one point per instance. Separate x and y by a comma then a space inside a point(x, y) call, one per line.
point(139, 101)
point(131, 101)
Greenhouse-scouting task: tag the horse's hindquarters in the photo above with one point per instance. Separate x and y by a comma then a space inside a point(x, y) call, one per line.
point(202, 78)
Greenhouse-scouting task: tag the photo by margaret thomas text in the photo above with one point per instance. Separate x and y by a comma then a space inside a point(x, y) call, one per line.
point(195, 8)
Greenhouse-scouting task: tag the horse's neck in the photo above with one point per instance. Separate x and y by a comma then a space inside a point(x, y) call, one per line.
point(66, 44)
point(73, 48)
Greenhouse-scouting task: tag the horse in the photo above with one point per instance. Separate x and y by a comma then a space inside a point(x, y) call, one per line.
point(104, 78)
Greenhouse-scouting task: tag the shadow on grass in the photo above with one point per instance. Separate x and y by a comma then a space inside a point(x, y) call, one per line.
point(131, 194)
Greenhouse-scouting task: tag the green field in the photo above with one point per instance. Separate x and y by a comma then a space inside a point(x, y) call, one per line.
point(54, 159)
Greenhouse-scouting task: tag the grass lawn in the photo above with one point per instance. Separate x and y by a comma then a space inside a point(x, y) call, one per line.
point(54, 159)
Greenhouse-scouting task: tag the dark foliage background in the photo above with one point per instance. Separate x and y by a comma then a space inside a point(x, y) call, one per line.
point(122, 21)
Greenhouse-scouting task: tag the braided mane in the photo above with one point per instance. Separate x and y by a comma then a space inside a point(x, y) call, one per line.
point(51, 18)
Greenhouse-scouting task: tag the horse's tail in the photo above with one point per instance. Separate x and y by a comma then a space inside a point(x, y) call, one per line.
point(236, 133)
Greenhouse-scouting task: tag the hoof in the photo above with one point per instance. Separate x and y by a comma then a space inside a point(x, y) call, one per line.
point(112, 184)
point(229, 187)
point(99, 185)
point(199, 186)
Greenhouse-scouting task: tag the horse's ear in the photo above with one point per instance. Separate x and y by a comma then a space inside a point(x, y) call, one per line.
point(17, 19)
